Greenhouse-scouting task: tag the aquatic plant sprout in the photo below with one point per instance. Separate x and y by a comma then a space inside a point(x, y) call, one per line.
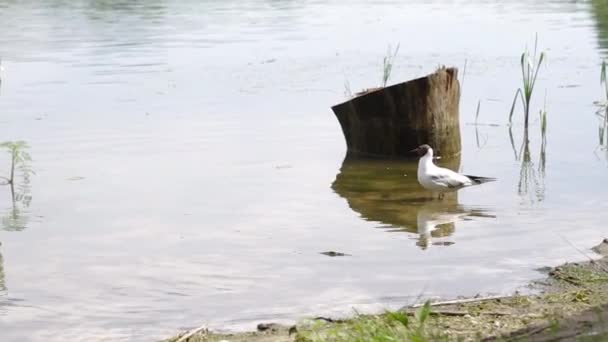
point(19, 161)
point(602, 111)
point(347, 92)
point(387, 64)
point(603, 80)
point(603, 130)
point(543, 122)
point(530, 66)
point(18, 180)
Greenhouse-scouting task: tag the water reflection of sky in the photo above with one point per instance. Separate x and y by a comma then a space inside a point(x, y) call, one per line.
point(186, 153)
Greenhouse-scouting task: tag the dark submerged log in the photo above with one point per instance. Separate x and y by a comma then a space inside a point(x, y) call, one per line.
point(391, 121)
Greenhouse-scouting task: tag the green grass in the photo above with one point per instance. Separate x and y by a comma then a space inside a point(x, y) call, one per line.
point(387, 68)
point(390, 326)
point(530, 66)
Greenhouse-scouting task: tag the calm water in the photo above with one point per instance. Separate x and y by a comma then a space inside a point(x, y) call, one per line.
point(189, 169)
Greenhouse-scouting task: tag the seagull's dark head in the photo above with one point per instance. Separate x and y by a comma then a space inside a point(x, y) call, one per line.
point(422, 150)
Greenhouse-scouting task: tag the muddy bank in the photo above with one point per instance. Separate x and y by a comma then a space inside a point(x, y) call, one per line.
point(571, 303)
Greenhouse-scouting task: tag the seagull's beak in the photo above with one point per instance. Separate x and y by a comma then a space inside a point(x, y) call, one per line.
point(414, 150)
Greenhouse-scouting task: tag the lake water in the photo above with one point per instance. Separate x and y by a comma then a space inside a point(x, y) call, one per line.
point(189, 168)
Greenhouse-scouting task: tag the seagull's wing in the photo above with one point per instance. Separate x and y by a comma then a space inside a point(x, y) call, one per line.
point(450, 179)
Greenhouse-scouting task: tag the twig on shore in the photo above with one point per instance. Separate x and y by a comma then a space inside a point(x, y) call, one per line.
point(591, 260)
point(461, 313)
point(461, 301)
point(191, 333)
point(329, 320)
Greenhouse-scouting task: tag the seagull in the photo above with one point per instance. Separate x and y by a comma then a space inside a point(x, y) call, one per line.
point(439, 179)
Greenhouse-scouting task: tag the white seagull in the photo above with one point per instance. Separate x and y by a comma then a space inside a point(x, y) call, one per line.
point(439, 179)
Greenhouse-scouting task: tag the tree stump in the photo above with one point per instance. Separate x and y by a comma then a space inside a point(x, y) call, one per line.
point(391, 121)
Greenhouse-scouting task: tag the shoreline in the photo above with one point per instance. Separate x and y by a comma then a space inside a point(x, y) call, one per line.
point(571, 302)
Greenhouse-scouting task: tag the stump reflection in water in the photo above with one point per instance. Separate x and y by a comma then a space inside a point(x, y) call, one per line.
point(387, 192)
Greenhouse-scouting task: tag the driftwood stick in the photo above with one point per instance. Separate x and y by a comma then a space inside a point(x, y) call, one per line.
point(461, 301)
point(329, 319)
point(190, 333)
point(462, 313)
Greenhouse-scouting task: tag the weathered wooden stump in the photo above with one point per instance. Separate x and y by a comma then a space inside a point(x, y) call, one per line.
point(391, 121)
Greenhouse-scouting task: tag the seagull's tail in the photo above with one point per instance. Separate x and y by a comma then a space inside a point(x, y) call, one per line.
point(481, 180)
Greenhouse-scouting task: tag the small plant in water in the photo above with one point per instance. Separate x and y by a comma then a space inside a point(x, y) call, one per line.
point(18, 180)
point(603, 131)
point(387, 64)
point(543, 141)
point(543, 123)
point(529, 70)
point(19, 161)
point(347, 92)
point(602, 111)
point(2, 283)
point(603, 80)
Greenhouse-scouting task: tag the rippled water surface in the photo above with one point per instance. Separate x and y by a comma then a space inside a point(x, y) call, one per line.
point(189, 168)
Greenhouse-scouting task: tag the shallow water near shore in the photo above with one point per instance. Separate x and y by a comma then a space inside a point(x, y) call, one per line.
point(189, 169)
